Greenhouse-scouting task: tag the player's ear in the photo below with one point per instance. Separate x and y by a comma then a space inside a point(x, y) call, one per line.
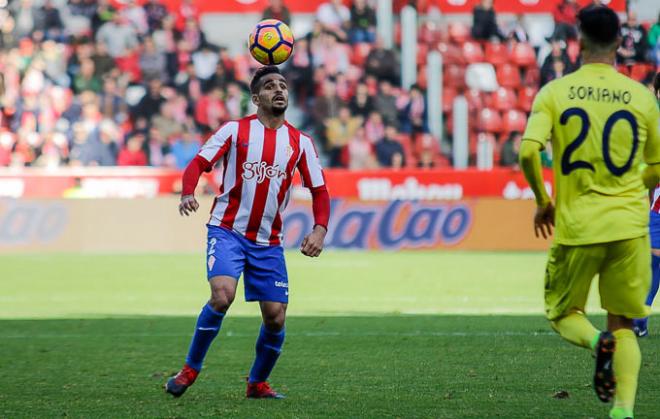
point(255, 99)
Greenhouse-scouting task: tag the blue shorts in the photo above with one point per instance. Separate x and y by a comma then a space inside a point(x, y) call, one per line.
point(654, 230)
point(263, 267)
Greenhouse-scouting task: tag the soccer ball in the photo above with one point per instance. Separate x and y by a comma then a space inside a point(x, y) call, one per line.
point(271, 42)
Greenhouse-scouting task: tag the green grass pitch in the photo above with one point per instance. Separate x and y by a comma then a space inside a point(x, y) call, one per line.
point(424, 334)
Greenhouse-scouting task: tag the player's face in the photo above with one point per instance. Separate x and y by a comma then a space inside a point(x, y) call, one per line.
point(273, 96)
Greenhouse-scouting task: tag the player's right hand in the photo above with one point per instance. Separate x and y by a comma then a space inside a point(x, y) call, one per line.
point(188, 205)
point(544, 220)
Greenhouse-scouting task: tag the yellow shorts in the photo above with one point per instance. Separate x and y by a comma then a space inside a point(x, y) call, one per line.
point(624, 268)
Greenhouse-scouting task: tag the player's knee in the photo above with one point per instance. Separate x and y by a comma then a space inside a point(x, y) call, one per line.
point(274, 320)
point(221, 301)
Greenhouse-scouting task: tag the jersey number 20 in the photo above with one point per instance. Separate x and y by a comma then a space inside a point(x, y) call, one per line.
point(567, 166)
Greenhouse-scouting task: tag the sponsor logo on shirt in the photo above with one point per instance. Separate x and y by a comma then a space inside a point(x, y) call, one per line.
point(259, 171)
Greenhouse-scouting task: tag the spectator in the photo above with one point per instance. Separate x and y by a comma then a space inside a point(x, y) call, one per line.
point(53, 56)
point(187, 11)
point(361, 152)
point(557, 70)
point(326, 107)
point(165, 39)
point(300, 72)
point(330, 54)
point(111, 103)
point(118, 35)
point(518, 32)
point(565, 16)
point(237, 101)
point(158, 148)
point(654, 42)
point(52, 21)
point(86, 79)
point(152, 61)
point(510, 149)
point(132, 153)
point(361, 104)
point(389, 151)
point(166, 123)
point(187, 83)
point(412, 111)
point(103, 62)
point(374, 128)
point(151, 102)
point(484, 23)
point(383, 64)
point(210, 111)
point(155, 13)
point(25, 18)
point(334, 17)
point(427, 151)
point(385, 103)
point(339, 132)
point(557, 53)
point(276, 9)
point(363, 23)
point(194, 35)
point(136, 17)
point(205, 62)
point(218, 79)
point(633, 41)
point(103, 14)
point(97, 147)
point(6, 144)
point(184, 149)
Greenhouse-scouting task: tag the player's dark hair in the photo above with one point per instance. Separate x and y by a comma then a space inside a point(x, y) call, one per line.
point(656, 84)
point(599, 24)
point(259, 74)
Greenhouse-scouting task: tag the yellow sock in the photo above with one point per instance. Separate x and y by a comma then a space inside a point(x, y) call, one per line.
point(626, 362)
point(576, 329)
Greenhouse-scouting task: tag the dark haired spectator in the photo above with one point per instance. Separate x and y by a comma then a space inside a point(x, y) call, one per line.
point(155, 13)
point(111, 103)
point(565, 16)
point(633, 41)
point(484, 22)
point(276, 9)
point(218, 79)
point(361, 104)
point(557, 53)
point(187, 83)
point(334, 17)
point(166, 122)
point(103, 62)
point(102, 14)
point(118, 35)
point(86, 79)
point(151, 102)
point(385, 103)
point(132, 153)
point(152, 61)
point(193, 35)
point(165, 39)
point(654, 42)
point(300, 72)
point(412, 111)
point(339, 132)
point(325, 107)
point(384, 64)
point(363, 23)
point(51, 21)
point(510, 149)
point(389, 152)
point(555, 70)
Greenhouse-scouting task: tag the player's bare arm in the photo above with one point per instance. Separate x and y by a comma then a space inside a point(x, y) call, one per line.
point(530, 163)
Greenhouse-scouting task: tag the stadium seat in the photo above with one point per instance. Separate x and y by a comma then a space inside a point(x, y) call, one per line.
point(422, 52)
point(526, 98)
point(489, 120)
point(451, 53)
point(513, 120)
point(497, 53)
point(454, 76)
point(523, 55)
point(472, 52)
point(532, 77)
point(623, 69)
point(421, 76)
point(459, 32)
point(504, 99)
point(639, 72)
point(481, 76)
point(429, 33)
point(448, 96)
point(474, 99)
point(508, 75)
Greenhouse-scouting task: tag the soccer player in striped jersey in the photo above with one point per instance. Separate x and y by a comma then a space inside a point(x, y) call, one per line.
point(641, 325)
point(603, 125)
point(259, 155)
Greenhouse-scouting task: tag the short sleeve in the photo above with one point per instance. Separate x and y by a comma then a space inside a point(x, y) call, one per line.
point(652, 148)
point(219, 143)
point(539, 124)
point(309, 164)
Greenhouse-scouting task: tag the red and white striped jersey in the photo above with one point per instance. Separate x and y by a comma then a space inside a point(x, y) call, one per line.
point(258, 168)
point(655, 206)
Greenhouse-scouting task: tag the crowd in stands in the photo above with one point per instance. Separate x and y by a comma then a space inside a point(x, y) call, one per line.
point(84, 84)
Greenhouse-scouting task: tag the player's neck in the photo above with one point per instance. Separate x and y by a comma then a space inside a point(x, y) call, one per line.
point(608, 59)
point(270, 121)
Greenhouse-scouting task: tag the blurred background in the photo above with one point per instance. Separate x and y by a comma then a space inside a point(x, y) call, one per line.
point(416, 107)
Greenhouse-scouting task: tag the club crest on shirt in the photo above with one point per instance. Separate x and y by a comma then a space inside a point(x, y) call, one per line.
point(289, 151)
point(259, 171)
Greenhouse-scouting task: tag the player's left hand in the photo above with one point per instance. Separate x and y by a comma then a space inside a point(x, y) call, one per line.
point(544, 220)
point(312, 244)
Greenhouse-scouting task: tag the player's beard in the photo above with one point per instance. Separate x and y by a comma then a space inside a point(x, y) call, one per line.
point(279, 110)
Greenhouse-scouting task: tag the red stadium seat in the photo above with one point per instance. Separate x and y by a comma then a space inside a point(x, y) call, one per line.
point(473, 53)
point(474, 99)
point(639, 72)
point(454, 77)
point(508, 75)
point(359, 53)
point(497, 53)
point(451, 53)
point(513, 120)
point(422, 52)
point(448, 96)
point(526, 97)
point(504, 99)
point(421, 76)
point(459, 32)
point(532, 77)
point(489, 120)
point(623, 69)
point(429, 33)
point(523, 55)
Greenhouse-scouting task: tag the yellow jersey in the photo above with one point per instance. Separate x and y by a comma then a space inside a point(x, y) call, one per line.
point(602, 125)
